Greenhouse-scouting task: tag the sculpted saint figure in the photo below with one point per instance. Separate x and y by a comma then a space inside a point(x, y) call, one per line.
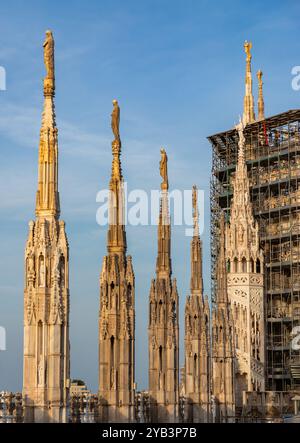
point(240, 129)
point(42, 272)
point(115, 120)
point(248, 47)
point(56, 268)
point(31, 264)
point(40, 373)
point(241, 234)
point(49, 54)
point(163, 166)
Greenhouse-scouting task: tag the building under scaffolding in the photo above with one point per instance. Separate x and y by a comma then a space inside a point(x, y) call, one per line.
point(272, 153)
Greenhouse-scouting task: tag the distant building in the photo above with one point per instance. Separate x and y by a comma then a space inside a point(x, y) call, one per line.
point(79, 388)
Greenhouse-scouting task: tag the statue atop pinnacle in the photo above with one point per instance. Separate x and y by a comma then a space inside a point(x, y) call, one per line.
point(115, 120)
point(248, 47)
point(49, 81)
point(163, 168)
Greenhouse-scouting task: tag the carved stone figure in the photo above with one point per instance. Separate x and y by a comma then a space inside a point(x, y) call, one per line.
point(49, 55)
point(115, 120)
point(42, 272)
point(30, 266)
point(240, 234)
point(240, 129)
point(56, 269)
point(163, 166)
point(248, 47)
point(40, 374)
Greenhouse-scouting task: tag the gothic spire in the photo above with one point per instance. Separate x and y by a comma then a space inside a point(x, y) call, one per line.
point(196, 380)
point(117, 303)
point(242, 232)
point(260, 103)
point(163, 262)
point(241, 204)
point(163, 328)
point(196, 250)
point(47, 201)
point(116, 231)
point(249, 114)
point(46, 357)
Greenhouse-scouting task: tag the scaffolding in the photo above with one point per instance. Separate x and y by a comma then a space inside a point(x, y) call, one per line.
point(272, 152)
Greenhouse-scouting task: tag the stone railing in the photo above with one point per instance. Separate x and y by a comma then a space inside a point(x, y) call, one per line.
point(83, 408)
point(11, 409)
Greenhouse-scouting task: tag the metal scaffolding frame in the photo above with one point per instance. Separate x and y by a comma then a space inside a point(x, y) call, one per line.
point(272, 152)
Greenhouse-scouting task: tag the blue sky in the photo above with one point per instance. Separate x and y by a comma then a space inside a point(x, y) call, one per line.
point(177, 69)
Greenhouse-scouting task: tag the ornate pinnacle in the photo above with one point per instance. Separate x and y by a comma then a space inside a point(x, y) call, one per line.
point(195, 211)
point(116, 232)
point(163, 262)
point(260, 103)
point(196, 284)
point(47, 194)
point(248, 114)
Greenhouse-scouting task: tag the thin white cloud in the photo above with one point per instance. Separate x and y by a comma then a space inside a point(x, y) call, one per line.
point(21, 125)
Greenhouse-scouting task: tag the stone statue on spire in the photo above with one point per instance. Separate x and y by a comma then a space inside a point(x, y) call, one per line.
point(49, 55)
point(163, 168)
point(115, 120)
point(116, 143)
point(240, 130)
point(248, 47)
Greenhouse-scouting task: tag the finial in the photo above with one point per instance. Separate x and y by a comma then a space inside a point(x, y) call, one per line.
point(248, 114)
point(49, 80)
point(115, 120)
point(259, 76)
point(260, 103)
point(163, 167)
